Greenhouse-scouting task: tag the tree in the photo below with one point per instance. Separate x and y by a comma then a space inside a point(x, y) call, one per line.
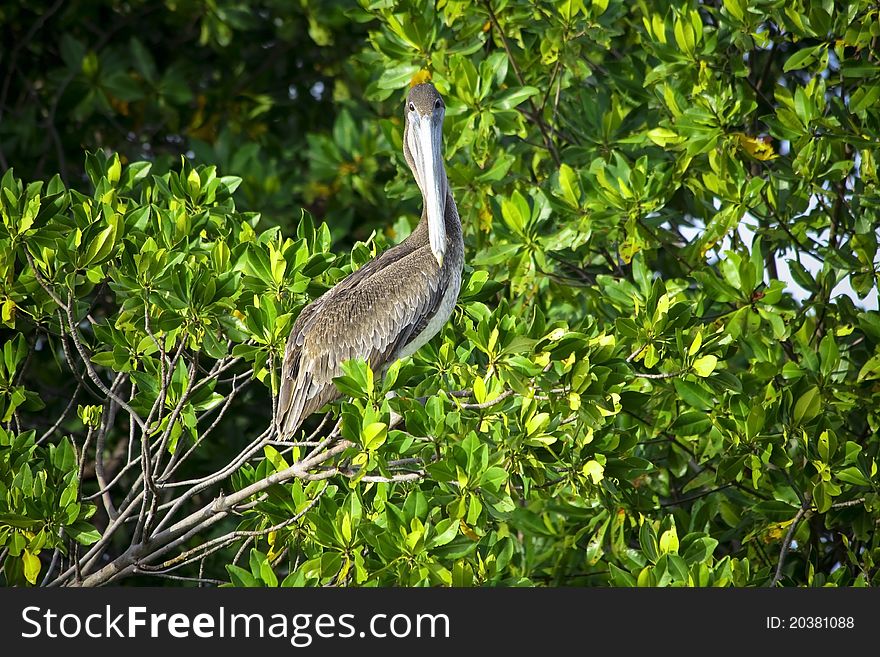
point(652, 377)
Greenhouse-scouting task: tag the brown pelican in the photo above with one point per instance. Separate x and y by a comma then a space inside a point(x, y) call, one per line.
point(390, 307)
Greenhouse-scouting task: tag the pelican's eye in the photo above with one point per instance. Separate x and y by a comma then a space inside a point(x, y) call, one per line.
point(412, 108)
point(437, 104)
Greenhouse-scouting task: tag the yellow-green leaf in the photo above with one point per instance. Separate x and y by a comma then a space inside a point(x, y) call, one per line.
point(569, 185)
point(193, 183)
point(275, 458)
point(669, 541)
point(663, 136)
point(594, 470)
point(808, 406)
point(696, 344)
point(479, 390)
point(31, 564)
point(705, 365)
point(375, 434)
point(114, 170)
point(759, 148)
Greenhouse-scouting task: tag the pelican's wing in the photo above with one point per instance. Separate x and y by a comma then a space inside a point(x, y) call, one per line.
point(370, 317)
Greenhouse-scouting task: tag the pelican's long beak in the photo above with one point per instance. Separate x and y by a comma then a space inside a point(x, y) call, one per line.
point(428, 135)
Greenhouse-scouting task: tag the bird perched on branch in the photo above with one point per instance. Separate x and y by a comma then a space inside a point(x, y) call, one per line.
point(397, 302)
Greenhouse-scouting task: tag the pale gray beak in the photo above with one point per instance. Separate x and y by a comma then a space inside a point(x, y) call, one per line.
point(425, 144)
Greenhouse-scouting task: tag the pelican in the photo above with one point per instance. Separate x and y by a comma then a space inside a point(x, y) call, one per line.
point(394, 304)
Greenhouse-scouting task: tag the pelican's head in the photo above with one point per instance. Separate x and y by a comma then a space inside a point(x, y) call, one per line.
point(422, 145)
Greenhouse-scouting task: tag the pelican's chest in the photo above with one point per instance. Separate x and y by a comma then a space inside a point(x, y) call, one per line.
point(444, 310)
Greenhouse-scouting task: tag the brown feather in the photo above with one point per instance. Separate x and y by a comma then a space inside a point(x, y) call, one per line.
point(372, 314)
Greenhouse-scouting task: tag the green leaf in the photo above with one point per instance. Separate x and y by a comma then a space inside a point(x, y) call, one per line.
point(570, 185)
point(445, 531)
point(515, 212)
point(493, 478)
point(594, 470)
point(808, 406)
point(736, 8)
point(775, 510)
point(698, 550)
point(852, 475)
point(694, 394)
point(871, 369)
point(102, 245)
point(514, 97)
point(144, 62)
point(31, 566)
point(864, 97)
point(275, 458)
point(822, 497)
point(357, 380)
point(691, 423)
point(241, 577)
point(375, 435)
point(705, 365)
point(802, 58)
point(648, 541)
point(676, 567)
point(261, 567)
point(83, 533)
point(669, 541)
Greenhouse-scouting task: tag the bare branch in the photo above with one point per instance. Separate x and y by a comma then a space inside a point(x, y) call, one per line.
point(635, 354)
point(188, 556)
point(107, 420)
point(848, 503)
point(93, 375)
point(178, 578)
point(789, 536)
point(51, 430)
point(207, 516)
point(488, 404)
point(535, 115)
point(179, 456)
point(666, 375)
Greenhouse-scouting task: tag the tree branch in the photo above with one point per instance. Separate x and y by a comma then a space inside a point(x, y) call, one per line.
point(535, 115)
point(789, 537)
point(207, 516)
point(488, 404)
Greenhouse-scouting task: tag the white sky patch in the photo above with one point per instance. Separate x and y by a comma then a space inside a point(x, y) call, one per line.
point(746, 234)
point(811, 264)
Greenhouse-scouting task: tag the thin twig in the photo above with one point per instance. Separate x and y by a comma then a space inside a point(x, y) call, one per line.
point(535, 115)
point(54, 427)
point(244, 546)
point(180, 456)
point(52, 565)
point(635, 354)
point(848, 503)
point(93, 375)
point(789, 536)
point(179, 578)
point(667, 375)
point(187, 557)
point(488, 404)
point(697, 496)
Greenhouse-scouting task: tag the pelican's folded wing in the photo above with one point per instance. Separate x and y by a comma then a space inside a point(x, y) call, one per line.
point(372, 317)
